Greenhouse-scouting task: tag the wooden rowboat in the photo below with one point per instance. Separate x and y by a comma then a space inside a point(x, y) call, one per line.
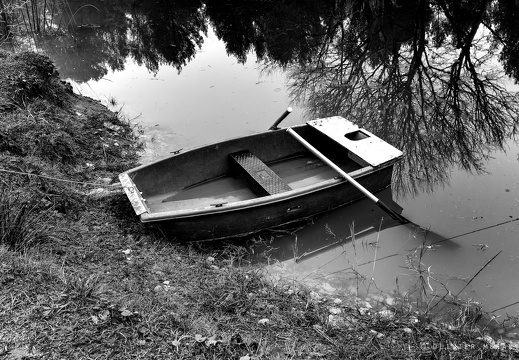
point(243, 185)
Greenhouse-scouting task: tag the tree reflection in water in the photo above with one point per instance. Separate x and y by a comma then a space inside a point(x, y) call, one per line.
point(429, 87)
point(419, 73)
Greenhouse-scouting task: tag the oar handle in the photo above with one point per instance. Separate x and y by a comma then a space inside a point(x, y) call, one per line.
point(346, 176)
point(281, 118)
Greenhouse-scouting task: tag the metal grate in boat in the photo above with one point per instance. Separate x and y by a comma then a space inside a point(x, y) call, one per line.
point(262, 180)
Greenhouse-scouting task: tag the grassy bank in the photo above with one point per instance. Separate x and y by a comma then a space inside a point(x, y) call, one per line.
point(80, 278)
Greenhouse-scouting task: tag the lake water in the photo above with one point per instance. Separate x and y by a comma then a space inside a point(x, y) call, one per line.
point(213, 98)
point(472, 218)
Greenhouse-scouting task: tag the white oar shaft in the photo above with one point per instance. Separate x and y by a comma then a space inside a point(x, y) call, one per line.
point(331, 164)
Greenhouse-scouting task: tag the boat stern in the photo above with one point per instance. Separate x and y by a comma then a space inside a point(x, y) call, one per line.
point(133, 194)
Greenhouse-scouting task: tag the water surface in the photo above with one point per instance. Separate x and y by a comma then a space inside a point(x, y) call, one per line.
point(213, 98)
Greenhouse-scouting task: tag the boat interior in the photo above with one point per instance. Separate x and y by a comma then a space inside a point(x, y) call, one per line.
point(239, 169)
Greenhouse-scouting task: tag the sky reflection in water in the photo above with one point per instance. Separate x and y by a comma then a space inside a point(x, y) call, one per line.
point(213, 98)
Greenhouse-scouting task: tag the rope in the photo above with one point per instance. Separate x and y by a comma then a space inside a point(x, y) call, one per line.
point(62, 180)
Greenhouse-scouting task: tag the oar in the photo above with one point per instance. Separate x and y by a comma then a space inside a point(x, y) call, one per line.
point(394, 215)
point(281, 118)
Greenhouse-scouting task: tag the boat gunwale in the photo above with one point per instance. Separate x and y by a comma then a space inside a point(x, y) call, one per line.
point(151, 216)
point(209, 145)
point(261, 201)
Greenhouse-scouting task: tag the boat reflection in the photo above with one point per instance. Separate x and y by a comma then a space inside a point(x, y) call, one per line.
point(359, 246)
point(328, 231)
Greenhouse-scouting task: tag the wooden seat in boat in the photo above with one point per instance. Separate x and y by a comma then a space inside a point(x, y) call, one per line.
point(261, 179)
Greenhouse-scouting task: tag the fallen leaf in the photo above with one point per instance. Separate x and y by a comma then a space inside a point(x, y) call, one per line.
point(112, 127)
point(335, 311)
point(328, 288)
point(104, 315)
point(264, 321)
point(200, 338)
point(213, 340)
point(407, 330)
point(175, 343)
point(376, 334)
point(126, 312)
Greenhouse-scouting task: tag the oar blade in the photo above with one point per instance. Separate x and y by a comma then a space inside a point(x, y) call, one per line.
point(393, 214)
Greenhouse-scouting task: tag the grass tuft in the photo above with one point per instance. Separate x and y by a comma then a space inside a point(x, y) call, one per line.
point(80, 287)
point(25, 222)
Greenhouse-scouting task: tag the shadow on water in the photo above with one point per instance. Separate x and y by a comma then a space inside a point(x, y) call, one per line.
point(362, 224)
point(328, 231)
point(353, 223)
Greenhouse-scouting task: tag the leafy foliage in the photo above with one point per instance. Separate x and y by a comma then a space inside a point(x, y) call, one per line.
point(503, 22)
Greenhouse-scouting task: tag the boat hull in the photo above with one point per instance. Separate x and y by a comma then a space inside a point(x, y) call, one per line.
point(247, 184)
point(251, 219)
